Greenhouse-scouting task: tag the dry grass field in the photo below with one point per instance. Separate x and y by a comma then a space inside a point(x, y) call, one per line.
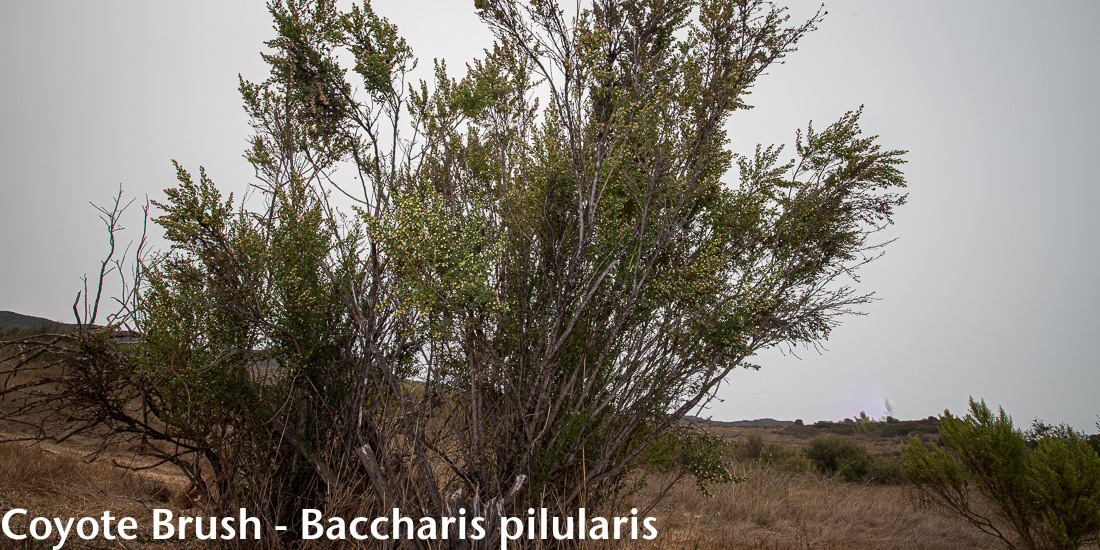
point(774, 509)
point(781, 504)
point(54, 481)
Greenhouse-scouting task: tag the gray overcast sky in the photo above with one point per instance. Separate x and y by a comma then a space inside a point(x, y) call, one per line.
point(990, 290)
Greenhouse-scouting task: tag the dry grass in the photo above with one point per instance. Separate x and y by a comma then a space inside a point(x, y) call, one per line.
point(778, 510)
point(773, 509)
point(57, 483)
point(794, 437)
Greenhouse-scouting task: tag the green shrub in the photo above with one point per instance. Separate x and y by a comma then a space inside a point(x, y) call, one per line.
point(834, 455)
point(1047, 493)
point(785, 459)
point(885, 471)
point(1063, 480)
point(774, 453)
point(864, 424)
point(847, 427)
point(754, 449)
point(694, 452)
point(749, 449)
point(1094, 442)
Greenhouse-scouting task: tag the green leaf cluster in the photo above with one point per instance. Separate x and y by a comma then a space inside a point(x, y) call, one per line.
point(697, 453)
point(244, 332)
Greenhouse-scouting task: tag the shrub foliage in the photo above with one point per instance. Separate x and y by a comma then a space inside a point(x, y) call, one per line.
point(1041, 491)
point(527, 296)
point(842, 457)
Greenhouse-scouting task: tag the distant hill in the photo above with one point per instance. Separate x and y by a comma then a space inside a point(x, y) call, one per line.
point(760, 422)
point(9, 319)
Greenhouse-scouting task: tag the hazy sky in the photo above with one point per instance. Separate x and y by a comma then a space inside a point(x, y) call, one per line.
point(990, 290)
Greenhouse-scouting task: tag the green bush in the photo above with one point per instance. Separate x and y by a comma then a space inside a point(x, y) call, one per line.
point(885, 471)
point(774, 453)
point(837, 456)
point(891, 427)
point(785, 459)
point(754, 449)
point(1046, 490)
point(749, 449)
point(1063, 480)
point(696, 453)
point(842, 428)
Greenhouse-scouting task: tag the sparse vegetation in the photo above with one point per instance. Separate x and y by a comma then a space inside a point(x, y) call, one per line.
point(886, 428)
point(17, 332)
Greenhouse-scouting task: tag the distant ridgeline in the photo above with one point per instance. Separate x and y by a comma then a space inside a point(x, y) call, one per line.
point(11, 321)
point(760, 422)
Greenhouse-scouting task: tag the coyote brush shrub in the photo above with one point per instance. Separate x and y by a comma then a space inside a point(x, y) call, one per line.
point(1047, 493)
point(835, 455)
